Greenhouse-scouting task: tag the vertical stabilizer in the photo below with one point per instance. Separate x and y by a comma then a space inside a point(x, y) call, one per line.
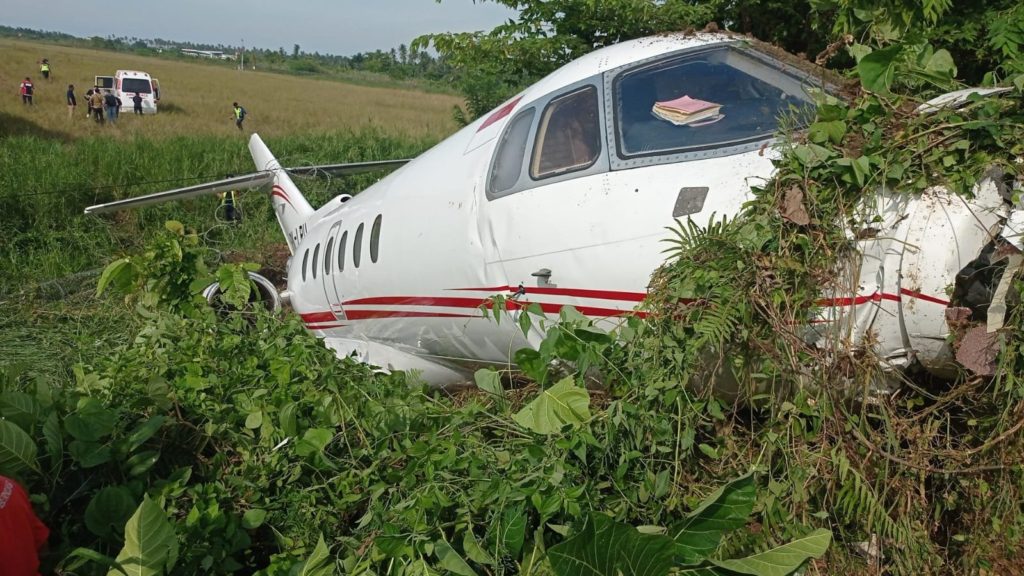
point(290, 205)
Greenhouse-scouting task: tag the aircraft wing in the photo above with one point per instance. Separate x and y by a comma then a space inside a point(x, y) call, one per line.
point(348, 168)
point(254, 180)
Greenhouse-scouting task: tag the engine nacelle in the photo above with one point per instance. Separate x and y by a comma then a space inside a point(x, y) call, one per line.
point(264, 293)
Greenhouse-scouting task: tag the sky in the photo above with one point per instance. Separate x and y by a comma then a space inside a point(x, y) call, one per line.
point(341, 27)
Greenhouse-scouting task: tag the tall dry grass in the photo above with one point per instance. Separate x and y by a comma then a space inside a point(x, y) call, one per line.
point(196, 99)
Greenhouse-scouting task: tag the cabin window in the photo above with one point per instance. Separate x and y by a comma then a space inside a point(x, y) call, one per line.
point(357, 246)
point(569, 135)
point(328, 252)
point(305, 261)
point(316, 259)
point(508, 160)
point(710, 99)
point(341, 251)
point(375, 238)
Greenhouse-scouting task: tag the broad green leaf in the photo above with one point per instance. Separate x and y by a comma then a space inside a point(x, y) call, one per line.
point(254, 420)
point(823, 132)
point(450, 560)
point(287, 419)
point(781, 560)
point(878, 69)
point(79, 556)
point(474, 551)
point(140, 463)
point(253, 518)
point(489, 381)
point(150, 545)
point(91, 421)
point(511, 532)
point(319, 562)
point(604, 547)
point(560, 405)
point(313, 441)
point(89, 454)
point(54, 439)
point(108, 511)
point(119, 273)
point(858, 51)
point(145, 431)
point(17, 450)
point(725, 509)
point(175, 227)
point(20, 408)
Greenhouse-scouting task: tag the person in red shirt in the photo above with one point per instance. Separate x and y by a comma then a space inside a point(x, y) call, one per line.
point(22, 534)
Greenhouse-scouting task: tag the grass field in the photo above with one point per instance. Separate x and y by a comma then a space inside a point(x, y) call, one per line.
point(196, 99)
point(53, 165)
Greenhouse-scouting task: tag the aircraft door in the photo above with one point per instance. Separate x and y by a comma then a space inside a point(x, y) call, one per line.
point(571, 230)
point(332, 268)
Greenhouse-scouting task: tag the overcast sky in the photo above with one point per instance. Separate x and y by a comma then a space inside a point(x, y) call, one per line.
point(340, 27)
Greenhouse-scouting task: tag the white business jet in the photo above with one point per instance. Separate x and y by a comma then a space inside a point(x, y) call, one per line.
point(561, 197)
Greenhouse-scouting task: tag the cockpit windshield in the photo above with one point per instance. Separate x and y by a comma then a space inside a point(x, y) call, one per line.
point(711, 99)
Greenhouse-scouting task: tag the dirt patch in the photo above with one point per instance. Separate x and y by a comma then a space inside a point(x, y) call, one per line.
point(273, 259)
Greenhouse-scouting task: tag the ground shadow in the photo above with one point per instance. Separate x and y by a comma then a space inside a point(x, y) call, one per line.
point(169, 108)
point(11, 125)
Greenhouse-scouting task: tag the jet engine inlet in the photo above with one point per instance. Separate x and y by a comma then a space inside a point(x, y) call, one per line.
point(264, 292)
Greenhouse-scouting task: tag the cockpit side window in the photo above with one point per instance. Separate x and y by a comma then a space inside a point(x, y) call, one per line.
point(569, 135)
point(711, 99)
point(508, 160)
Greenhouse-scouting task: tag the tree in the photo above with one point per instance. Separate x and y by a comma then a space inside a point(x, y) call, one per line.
point(295, 51)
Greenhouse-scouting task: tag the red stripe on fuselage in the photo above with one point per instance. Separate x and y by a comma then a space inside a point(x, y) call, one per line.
point(499, 113)
point(576, 292)
point(316, 317)
point(371, 314)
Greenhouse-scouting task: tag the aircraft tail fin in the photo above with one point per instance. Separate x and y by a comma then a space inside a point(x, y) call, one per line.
point(290, 206)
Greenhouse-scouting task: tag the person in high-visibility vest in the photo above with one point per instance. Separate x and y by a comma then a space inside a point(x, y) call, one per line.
point(239, 115)
point(227, 200)
point(44, 68)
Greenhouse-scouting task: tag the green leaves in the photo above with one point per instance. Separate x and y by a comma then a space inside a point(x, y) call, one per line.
point(878, 69)
point(781, 560)
point(561, 405)
point(723, 510)
point(17, 450)
point(604, 547)
point(319, 562)
point(150, 546)
point(108, 511)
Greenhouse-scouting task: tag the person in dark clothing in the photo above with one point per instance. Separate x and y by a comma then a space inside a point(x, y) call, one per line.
point(110, 102)
point(72, 101)
point(88, 103)
point(137, 100)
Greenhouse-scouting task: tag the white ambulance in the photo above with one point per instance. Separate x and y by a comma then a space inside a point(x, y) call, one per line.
point(125, 84)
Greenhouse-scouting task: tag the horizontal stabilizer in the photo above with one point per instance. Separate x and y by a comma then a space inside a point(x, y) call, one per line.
point(346, 169)
point(254, 180)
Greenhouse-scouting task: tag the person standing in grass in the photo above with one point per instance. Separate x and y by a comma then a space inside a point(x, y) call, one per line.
point(110, 101)
point(72, 101)
point(26, 91)
point(137, 100)
point(239, 115)
point(97, 104)
point(22, 534)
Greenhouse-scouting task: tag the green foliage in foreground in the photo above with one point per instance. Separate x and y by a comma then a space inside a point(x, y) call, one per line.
point(211, 444)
